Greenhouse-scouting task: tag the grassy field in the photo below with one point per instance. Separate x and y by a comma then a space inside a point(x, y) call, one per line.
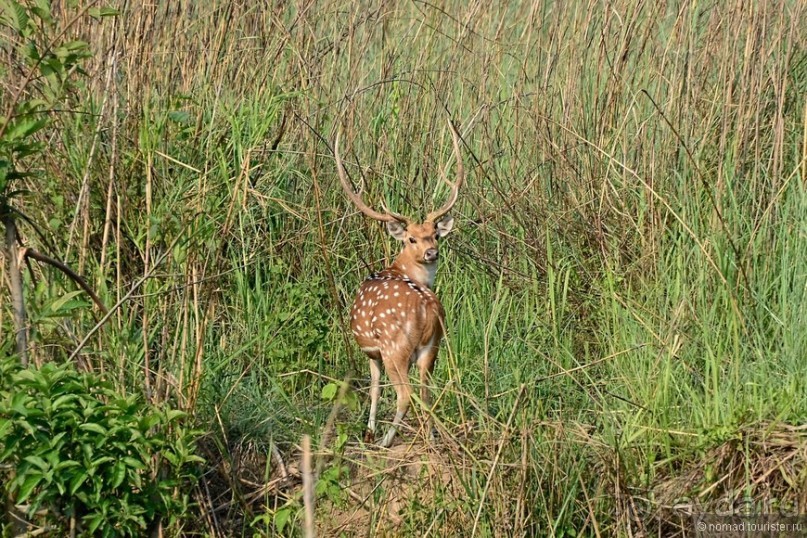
point(625, 289)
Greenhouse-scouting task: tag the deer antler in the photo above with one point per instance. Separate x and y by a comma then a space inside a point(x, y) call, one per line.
point(387, 216)
point(455, 187)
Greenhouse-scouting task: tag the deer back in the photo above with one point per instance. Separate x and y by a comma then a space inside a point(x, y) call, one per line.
point(394, 313)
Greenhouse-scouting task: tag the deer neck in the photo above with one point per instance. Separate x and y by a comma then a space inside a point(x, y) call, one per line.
point(422, 273)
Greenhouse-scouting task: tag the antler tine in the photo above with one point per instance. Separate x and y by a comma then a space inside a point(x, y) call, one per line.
point(455, 187)
point(397, 216)
point(388, 216)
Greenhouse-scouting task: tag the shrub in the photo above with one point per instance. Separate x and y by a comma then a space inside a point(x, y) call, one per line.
point(76, 452)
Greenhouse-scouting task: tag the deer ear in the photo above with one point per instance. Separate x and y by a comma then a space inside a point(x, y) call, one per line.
point(397, 230)
point(444, 225)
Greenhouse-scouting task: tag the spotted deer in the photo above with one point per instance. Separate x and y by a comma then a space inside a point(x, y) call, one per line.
point(396, 318)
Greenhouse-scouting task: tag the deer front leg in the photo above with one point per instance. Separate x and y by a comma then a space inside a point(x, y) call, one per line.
point(399, 377)
point(375, 393)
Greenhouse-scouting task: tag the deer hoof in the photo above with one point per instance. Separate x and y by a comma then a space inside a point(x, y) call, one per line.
point(369, 436)
point(386, 442)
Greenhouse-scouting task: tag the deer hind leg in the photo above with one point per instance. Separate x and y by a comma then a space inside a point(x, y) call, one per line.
point(398, 372)
point(427, 356)
point(375, 393)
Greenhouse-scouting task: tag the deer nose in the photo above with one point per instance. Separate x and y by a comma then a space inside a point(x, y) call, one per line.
point(430, 255)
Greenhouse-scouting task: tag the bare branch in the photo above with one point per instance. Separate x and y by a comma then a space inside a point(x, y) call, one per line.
point(44, 258)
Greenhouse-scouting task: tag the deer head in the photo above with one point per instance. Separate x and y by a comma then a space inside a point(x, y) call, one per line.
point(418, 257)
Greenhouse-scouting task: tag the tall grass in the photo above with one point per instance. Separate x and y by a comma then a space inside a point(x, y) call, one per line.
point(625, 291)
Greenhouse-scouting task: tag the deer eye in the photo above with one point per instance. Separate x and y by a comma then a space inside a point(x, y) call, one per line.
point(413, 240)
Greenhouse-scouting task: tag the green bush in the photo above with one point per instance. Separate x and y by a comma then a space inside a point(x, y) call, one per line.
point(75, 450)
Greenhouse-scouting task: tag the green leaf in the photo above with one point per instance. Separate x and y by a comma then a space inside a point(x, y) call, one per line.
point(76, 46)
point(94, 522)
point(56, 442)
point(149, 421)
point(41, 5)
point(135, 480)
point(180, 116)
point(32, 106)
point(341, 439)
point(104, 459)
point(19, 16)
point(87, 451)
point(22, 151)
point(36, 460)
point(28, 486)
point(98, 12)
point(42, 10)
point(92, 427)
point(171, 457)
point(68, 464)
point(62, 400)
point(8, 451)
point(281, 518)
point(18, 402)
point(25, 128)
point(76, 481)
point(5, 425)
point(133, 463)
point(118, 474)
point(31, 53)
point(28, 375)
point(174, 414)
point(329, 391)
point(69, 53)
point(59, 303)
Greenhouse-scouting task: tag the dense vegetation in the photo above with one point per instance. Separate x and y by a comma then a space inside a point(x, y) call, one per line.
point(625, 291)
